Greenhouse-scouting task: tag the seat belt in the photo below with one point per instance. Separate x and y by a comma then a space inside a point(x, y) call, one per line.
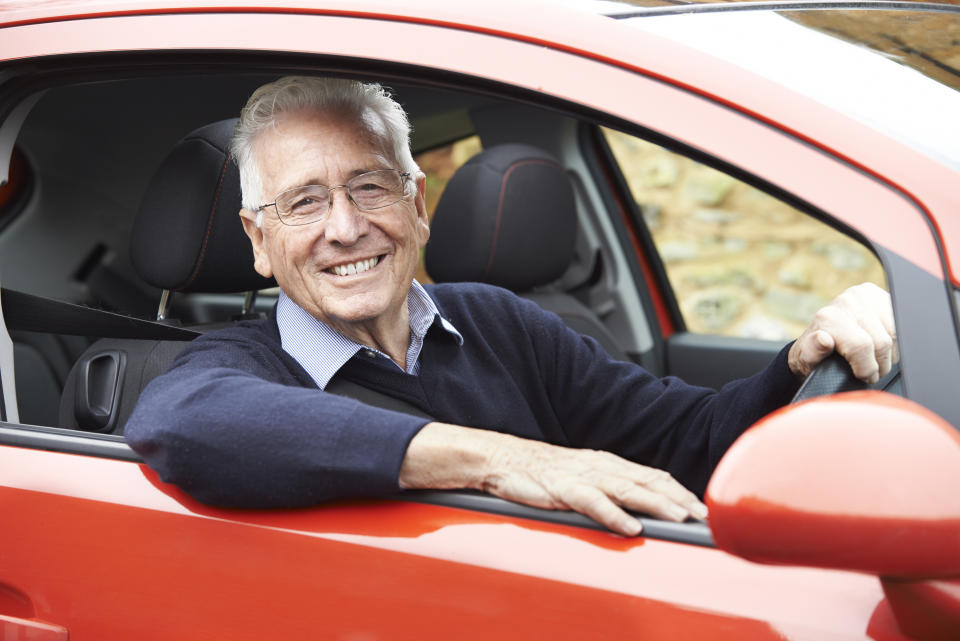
point(47, 315)
point(342, 387)
point(8, 390)
point(39, 314)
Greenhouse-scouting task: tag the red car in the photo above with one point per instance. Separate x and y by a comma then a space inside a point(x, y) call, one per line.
point(720, 197)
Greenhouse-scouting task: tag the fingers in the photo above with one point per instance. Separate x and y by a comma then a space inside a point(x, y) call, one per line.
point(640, 489)
point(607, 505)
point(599, 485)
point(884, 329)
point(859, 326)
point(592, 502)
point(856, 344)
point(879, 352)
point(659, 484)
point(810, 349)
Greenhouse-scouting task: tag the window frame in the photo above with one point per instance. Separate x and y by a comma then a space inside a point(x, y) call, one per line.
point(63, 69)
point(54, 439)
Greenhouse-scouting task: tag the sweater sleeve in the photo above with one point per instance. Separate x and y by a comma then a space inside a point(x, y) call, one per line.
point(608, 404)
point(232, 426)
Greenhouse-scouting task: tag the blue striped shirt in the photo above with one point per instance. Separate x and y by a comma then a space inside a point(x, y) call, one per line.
point(322, 350)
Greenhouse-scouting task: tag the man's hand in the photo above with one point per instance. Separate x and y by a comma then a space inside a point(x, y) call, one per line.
point(857, 324)
point(597, 484)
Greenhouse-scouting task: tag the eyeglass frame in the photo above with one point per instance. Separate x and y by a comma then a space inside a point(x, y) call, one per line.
point(404, 177)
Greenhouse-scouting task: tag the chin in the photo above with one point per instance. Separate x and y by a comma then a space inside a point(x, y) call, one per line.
point(357, 308)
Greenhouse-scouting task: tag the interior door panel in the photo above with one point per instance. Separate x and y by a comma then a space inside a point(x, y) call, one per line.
point(712, 361)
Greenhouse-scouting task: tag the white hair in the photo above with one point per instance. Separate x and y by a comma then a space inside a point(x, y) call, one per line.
point(370, 104)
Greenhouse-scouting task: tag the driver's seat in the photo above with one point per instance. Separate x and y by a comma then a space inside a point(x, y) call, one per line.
point(186, 238)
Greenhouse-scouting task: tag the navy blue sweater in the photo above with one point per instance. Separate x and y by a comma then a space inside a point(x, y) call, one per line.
point(236, 421)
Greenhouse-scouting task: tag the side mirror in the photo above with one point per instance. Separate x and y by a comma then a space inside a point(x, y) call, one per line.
point(862, 481)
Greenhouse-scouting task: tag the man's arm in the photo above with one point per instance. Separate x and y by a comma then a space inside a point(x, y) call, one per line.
point(858, 324)
point(233, 426)
point(443, 456)
point(226, 426)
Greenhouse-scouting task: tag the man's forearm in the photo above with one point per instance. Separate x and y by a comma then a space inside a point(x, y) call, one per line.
point(236, 439)
point(444, 456)
point(597, 484)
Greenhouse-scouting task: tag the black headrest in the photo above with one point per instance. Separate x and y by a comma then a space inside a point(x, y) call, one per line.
point(187, 235)
point(507, 217)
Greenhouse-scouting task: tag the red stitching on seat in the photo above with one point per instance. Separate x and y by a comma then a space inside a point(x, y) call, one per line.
point(206, 236)
point(503, 189)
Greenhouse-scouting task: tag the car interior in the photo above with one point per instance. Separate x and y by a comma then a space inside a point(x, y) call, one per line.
point(116, 178)
point(115, 207)
point(120, 240)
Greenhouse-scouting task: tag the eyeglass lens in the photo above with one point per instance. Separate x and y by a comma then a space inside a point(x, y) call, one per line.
point(372, 190)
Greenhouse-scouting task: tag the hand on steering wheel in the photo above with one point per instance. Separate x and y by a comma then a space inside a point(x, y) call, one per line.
point(834, 375)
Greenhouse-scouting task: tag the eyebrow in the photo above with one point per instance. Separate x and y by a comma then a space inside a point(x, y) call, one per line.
point(317, 181)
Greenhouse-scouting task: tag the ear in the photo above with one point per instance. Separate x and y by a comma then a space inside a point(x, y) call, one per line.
point(261, 259)
point(419, 200)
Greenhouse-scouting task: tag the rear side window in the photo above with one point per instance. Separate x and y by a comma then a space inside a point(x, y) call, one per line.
point(739, 261)
point(439, 164)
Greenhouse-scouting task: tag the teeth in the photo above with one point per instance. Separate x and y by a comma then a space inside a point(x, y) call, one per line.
point(355, 268)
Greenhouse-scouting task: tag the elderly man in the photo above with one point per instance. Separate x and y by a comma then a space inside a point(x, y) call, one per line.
point(522, 406)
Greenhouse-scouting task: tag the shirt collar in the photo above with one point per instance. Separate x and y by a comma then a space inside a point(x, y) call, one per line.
point(322, 350)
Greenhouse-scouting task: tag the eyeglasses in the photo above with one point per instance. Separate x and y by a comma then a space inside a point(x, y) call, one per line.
point(311, 203)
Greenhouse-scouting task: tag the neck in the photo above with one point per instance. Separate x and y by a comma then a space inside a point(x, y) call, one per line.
point(389, 334)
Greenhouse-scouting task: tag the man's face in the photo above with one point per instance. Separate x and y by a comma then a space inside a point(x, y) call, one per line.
point(322, 149)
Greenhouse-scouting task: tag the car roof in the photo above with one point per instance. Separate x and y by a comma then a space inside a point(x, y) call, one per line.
point(858, 81)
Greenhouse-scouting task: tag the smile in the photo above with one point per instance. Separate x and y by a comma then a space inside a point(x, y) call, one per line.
point(349, 269)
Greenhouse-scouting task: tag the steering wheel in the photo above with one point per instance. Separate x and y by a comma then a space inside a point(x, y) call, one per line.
point(833, 375)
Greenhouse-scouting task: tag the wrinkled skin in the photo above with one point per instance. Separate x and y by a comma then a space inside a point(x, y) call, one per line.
point(369, 307)
point(858, 325)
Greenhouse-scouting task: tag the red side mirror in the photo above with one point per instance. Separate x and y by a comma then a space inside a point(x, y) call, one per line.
point(861, 481)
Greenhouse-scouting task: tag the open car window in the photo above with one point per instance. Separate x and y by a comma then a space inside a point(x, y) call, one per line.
point(727, 275)
point(739, 261)
point(439, 164)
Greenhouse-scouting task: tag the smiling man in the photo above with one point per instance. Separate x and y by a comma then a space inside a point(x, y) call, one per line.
point(348, 228)
point(523, 407)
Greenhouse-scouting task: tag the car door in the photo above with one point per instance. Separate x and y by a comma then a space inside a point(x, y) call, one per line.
point(96, 544)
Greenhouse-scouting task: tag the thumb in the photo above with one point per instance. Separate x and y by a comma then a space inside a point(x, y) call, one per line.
point(820, 344)
point(808, 351)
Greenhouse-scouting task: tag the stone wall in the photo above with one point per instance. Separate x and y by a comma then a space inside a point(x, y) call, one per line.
point(741, 263)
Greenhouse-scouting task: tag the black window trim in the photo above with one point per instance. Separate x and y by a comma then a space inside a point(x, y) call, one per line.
point(109, 446)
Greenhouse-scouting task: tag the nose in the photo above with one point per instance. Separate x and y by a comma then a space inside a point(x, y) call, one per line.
point(345, 223)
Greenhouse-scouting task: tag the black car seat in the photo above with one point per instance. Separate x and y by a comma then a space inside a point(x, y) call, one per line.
point(43, 363)
point(508, 217)
point(187, 237)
